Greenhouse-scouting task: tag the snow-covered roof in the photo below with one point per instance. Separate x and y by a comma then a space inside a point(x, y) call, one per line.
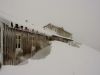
point(2, 19)
point(40, 29)
point(7, 20)
point(54, 33)
point(63, 37)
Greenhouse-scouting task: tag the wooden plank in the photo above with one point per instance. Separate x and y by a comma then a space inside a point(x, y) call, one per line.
point(4, 45)
point(7, 46)
point(11, 44)
point(24, 43)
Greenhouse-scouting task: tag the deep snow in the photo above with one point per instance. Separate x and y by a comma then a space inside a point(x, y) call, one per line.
point(63, 60)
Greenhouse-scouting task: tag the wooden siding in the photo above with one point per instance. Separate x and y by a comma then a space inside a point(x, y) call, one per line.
point(9, 45)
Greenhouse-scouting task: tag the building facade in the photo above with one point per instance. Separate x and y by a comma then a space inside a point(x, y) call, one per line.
point(17, 40)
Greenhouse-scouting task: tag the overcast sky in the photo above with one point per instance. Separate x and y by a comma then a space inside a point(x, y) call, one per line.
point(80, 17)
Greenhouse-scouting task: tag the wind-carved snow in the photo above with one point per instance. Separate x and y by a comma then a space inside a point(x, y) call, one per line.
point(62, 60)
point(42, 54)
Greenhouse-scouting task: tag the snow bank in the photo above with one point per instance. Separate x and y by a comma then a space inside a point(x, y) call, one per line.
point(42, 53)
point(63, 60)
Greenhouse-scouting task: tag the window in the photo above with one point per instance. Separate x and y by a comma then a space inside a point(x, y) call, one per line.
point(32, 40)
point(18, 41)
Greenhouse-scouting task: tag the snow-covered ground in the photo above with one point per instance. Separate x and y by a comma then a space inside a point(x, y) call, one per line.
point(62, 60)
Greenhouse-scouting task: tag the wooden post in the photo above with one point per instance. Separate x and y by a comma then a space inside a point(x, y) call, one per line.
point(1, 42)
point(7, 40)
point(4, 53)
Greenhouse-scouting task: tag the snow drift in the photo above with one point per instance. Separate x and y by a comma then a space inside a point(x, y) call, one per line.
point(63, 60)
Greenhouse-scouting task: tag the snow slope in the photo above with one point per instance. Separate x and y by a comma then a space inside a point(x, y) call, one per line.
point(63, 60)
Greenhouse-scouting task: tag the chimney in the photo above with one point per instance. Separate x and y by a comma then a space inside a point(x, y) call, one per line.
point(16, 26)
point(11, 24)
point(22, 27)
point(25, 28)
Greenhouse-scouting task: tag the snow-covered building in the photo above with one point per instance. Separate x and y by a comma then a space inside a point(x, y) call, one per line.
point(17, 39)
point(62, 39)
point(58, 30)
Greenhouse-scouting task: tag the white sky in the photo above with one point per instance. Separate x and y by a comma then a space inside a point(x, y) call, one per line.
point(80, 17)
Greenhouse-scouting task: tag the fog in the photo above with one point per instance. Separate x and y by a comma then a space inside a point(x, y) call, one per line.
point(80, 17)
